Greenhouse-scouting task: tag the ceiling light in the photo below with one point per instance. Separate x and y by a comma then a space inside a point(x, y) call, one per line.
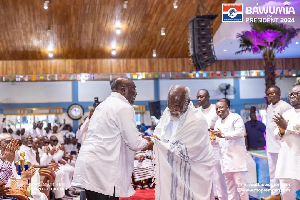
point(125, 4)
point(154, 53)
point(257, 4)
point(243, 78)
point(294, 75)
point(118, 31)
point(113, 52)
point(224, 50)
point(50, 54)
point(163, 31)
point(46, 5)
point(175, 4)
point(297, 42)
point(82, 80)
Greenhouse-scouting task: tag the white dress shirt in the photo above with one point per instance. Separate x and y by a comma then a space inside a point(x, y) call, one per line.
point(232, 147)
point(210, 115)
point(288, 163)
point(106, 158)
point(273, 145)
point(81, 133)
point(41, 132)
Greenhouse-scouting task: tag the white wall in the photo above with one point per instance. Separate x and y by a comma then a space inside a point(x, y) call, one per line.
point(212, 85)
point(254, 88)
point(101, 89)
point(35, 92)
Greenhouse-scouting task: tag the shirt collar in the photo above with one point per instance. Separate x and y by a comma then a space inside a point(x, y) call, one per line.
point(119, 96)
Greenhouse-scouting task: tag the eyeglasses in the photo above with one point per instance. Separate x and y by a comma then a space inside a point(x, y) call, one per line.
point(54, 140)
point(294, 94)
point(271, 94)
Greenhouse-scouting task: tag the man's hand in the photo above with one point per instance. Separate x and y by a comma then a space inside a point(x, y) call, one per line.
point(47, 150)
point(3, 189)
point(28, 173)
point(281, 123)
point(149, 145)
point(141, 158)
point(3, 120)
point(62, 162)
point(156, 137)
point(218, 133)
point(9, 151)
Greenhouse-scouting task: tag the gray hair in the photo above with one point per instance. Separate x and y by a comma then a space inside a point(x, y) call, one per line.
point(187, 91)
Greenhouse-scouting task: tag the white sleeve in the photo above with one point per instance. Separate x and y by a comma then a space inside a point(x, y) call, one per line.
point(129, 132)
point(58, 156)
point(45, 159)
point(239, 130)
point(1, 127)
point(61, 128)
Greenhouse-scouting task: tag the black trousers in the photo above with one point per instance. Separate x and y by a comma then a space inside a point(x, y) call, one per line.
point(91, 195)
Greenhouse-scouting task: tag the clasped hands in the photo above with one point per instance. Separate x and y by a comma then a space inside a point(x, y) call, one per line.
point(214, 134)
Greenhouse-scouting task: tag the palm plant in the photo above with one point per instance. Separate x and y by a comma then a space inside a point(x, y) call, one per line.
point(267, 39)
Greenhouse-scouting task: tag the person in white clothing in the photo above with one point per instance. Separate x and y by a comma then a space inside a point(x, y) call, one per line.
point(81, 133)
point(230, 132)
point(59, 135)
point(276, 106)
point(39, 129)
point(183, 153)
point(105, 161)
point(288, 131)
point(209, 112)
point(32, 131)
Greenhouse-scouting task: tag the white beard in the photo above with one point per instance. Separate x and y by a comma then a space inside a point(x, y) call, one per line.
point(173, 118)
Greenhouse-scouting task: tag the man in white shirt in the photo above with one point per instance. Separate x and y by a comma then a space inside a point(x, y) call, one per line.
point(184, 157)
point(276, 106)
point(209, 112)
point(32, 131)
point(288, 131)
point(39, 130)
point(105, 162)
point(230, 131)
point(82, 131)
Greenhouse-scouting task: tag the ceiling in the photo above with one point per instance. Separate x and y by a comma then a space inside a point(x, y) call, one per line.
point(86, 28)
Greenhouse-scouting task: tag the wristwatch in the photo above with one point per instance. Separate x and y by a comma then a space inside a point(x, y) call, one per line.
point(281, 134)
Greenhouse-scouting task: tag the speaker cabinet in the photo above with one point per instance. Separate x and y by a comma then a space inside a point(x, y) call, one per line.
point(201, 41)
point(155, 109)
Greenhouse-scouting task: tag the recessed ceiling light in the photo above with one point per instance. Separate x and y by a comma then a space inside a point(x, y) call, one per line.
point(163, 31)
point(113, 52)
point(257, 4)
point(50, 54)
point(154, 53)
point(297, 42)
point(175, 4)
point(118, 31)
point(224, 50)
point(125, 4)
point(46, 5)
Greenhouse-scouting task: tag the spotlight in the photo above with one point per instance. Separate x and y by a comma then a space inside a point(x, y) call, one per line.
point(175, 4)
point(50, 55)
point(118, 31)
point(113, 52)
point(46, 5)
point(125, 4)
point(163, 31)
point(154, 53)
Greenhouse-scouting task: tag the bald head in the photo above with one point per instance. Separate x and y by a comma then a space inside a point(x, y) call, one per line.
point(53, 140)
point(178, 100)
point(203, 98)
point(125, 87)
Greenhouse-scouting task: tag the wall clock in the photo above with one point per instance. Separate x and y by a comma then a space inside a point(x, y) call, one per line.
point(75, 111)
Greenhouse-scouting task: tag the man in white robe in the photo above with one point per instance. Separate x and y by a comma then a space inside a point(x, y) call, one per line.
point(183, 154)
point(105, 162)
point(288, 132)
point(273, 145)
point(209, 112)
point(230, 132)
point(39, 130)
point(32, 131)
point(56, 133)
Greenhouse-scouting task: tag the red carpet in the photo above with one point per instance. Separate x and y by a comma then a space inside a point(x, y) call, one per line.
point(142, 195)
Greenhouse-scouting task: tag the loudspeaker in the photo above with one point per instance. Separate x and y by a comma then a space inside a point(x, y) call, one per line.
point(201, 41)
point(155, 109)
